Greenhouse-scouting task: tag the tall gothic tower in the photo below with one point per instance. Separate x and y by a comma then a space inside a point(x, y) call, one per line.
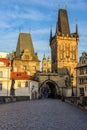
point(64, 46)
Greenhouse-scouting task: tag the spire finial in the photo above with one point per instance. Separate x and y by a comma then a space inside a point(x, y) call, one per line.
point(58, 4)
point(30, 30)
point(76, 28)
point(19, 29)
point(44, 57)
point(57, 28)
point(76, 21)
point(66, 5)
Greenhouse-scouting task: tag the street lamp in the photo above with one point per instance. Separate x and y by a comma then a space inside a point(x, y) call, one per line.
point(72, 83)
point(7, 79)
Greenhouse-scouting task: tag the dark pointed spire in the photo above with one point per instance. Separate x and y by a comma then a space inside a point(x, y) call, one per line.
point(51, 33)
point(76, 28)
point(24, 42)
point(63, 24)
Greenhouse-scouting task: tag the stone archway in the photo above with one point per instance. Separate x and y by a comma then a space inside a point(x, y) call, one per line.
point(48, 89)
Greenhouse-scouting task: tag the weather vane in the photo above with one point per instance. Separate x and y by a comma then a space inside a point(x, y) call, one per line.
point(65, 5)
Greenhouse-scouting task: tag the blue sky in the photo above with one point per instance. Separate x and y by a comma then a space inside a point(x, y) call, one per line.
point(37, 16)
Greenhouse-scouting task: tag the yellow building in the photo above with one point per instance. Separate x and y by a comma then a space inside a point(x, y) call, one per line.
point(64, 46)
point(25, 59)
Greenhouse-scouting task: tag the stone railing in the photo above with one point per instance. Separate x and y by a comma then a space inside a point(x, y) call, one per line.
point(8, 99)
point(79, 101)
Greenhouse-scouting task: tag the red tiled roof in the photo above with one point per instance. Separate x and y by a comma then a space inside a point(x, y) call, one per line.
point(6, 61)
point(20, 76)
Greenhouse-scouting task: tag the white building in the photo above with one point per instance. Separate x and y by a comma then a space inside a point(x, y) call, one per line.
point(4, 74)
point(23, 84)
point(30, 89)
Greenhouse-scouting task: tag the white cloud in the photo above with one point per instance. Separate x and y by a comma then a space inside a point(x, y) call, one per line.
point(41, 45)
point(33, 15)
point(43, 31)
point(4, 25)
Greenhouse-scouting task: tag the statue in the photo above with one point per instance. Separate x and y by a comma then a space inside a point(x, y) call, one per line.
point(12, 90)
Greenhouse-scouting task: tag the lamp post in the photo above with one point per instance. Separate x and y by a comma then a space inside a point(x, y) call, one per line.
point(7, 79)
point(72, 84)
point(30, 90)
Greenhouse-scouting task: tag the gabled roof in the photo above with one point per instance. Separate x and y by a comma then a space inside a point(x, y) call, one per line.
point(24, 42)
point(6, 61)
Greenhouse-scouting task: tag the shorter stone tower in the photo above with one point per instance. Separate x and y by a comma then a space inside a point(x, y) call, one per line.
point(24, 59)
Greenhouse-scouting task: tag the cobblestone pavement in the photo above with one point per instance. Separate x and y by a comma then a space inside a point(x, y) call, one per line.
point(46, 114)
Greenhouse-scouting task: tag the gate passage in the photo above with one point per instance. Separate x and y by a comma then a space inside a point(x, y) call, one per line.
point(48, 90)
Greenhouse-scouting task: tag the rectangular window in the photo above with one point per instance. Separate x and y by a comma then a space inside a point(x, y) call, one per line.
point(18, 75)
point(1, 74)
point(81, 71)
point(80, 81)
point(86, 70)
point(81, 91)
point(0, 86)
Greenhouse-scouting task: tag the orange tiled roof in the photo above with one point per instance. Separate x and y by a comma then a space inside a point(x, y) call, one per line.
point(20, 76)
point(6, 61)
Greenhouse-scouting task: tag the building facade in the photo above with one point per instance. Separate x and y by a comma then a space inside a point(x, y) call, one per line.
point(64, 46)
point(81, 70)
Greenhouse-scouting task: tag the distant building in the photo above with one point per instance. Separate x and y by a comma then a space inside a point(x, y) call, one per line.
point(4, 55)
point(46, 64)
point(82, 75)
point(64, 46)
point(24, 59)
point(4, 74)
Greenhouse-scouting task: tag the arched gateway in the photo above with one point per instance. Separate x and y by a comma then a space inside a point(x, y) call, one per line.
point(53, 85)
point(48, 89)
